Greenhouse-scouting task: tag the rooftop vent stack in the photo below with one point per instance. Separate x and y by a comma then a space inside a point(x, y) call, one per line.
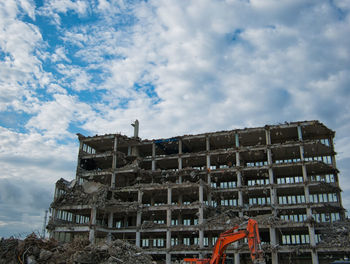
point(136, 128)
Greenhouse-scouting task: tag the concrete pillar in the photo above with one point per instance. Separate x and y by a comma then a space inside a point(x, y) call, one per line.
point(236, 140)
point(239, 179)
point(208, 161)
point(273, 242)
point(306, 186)
point(168, 217)
point(167, 258)
point(168, 239)
point(300, 134)
point(240, 198)
point(138, 238)
point(238, 161)
point(114, 162)
point(138, 219)
point(274, 257)
point(312, 235)
point(269, 156)
point(179, 161)
point(77, 175)
point(139, 196)
point(153, 156)
point(314, 256)
point(201, 199)
point(273, 196)
point(92, 225)
point(207, 143)
point(268, 136)
point(201, 238)
point(110, 225)
point(169, 196)
point(302, 156)
point(237, 258)
point(113, 179)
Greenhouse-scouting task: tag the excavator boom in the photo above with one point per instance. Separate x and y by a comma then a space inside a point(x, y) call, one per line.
point(231, 236)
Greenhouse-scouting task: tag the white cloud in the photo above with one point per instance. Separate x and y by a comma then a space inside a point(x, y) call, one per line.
point(54, 8)
point(199, 66)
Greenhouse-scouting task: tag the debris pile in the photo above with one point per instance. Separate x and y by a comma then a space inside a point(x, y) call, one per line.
point(36, 251)
point(336, 234)
point(92, 193)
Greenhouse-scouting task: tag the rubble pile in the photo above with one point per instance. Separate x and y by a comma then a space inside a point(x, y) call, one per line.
point(36, 251)
point(226, 218)
point(76, 194)
point(336, 235)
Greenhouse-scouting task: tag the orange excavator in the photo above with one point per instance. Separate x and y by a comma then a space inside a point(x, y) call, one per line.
point(231, 236)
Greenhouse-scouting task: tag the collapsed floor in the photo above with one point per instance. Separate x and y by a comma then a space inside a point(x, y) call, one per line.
point(34, 250)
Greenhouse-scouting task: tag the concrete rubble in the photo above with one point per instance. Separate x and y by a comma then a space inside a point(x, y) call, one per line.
point(337, 234)
point(36, 251)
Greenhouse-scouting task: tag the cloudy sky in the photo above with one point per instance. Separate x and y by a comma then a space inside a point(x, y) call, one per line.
point(179, 67)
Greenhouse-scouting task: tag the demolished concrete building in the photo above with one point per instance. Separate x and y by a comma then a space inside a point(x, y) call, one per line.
point(174, 196)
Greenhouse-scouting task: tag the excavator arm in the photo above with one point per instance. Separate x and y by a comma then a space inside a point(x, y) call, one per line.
point(231, 236)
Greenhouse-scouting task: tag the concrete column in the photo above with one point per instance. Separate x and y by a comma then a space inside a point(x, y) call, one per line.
point(237, 258)
point(169, 196)
point(110, 225)
point(268, 136)
point(239, 179)
point(306, 186)
point(138, 238)
point(274, 257)
point(92, 225)
point(153, 156)
point(167, 258)
point(138, 219)
point(301, 149)
point(236, 140)
point(238, 161)
point(139, 197)
point(201, 238)
point(240, 198)
point(312, 235)
point(114, 162)
point(208, 161)
point(168, 217)
point(77, 175)
point(207, 143)
point(113, 179)
point(314, 256)
point(273, 242)
point(179, 161)
point(168, 239)
point(201, 199)
point(180, 146)
point(269, 156)
point(300, 134)
point(273, 196)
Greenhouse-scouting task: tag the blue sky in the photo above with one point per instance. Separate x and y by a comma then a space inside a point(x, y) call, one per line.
point(179, 67)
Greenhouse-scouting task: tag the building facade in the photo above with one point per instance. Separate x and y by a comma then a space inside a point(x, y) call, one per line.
point(174, 196)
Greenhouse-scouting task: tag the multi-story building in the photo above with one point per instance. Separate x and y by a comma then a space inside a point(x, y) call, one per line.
point(174, 196)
